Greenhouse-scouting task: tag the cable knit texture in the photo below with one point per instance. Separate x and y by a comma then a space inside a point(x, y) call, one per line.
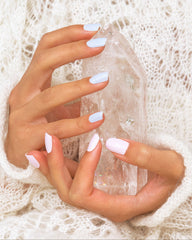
point(160, 34)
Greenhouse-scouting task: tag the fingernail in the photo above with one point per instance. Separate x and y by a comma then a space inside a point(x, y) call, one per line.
point(96, 42)
point(99, 78)
point(32, 161)
point(117, 145)
point(48, 143)
point(93, 143)
point(92, 27)
point(96, 117)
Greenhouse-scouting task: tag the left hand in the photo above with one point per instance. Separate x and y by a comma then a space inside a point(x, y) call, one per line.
point(35, 107)
point(74, 181)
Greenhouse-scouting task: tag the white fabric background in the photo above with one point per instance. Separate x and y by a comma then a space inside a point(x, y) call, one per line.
point(160, 33)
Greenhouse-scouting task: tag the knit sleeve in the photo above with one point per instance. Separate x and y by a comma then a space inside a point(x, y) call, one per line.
point(182, 192)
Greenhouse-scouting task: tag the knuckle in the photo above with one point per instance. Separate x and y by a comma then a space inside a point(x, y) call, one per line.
point(22, 133)
point(74, 51)
point(21, 130)
point(47, 96)
point(78, 85)
point(45, 39)
point(13, 97)
point(143, 156)
point(180, 167)
point(81, 127)
point(14, 119)
point(40, 59)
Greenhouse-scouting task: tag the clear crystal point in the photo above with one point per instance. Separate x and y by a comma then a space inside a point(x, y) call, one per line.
point(123, 103)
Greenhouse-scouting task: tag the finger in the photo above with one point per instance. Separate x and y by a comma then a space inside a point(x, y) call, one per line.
point(65, 111)
point(66, 35)
point(39, 160)
point(50, 98)
point(83, 194)
point(53, 58)
point(72, 127)
point(67, 127)
point(154, 194)
point(163, 162)
point(46, 61)
point(83, 180)
point(59, 174)
point(117, 208)
point(151, 197)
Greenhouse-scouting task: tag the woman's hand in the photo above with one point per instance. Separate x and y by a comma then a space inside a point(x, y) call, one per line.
point(33, 103)
point(74, 181)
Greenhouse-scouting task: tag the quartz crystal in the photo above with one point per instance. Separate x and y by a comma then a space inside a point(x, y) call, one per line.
point(123, 103)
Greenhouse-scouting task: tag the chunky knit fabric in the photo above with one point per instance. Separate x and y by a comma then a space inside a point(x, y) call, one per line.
point(160, 34)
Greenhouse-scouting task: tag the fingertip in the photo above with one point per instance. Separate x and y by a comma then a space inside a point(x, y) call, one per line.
point(55, 157)
point(96, 117)
point(93, 47)
point(37, 159)
point(32, 160)
point(48, 143)
point(116, 145)
point(94, 148)
point(99, 79)
point(53, 145)
point(95, 120)
point(93, 143)
point(96, 43)
point(93, 27)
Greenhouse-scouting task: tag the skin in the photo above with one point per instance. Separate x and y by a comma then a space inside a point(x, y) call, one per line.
point(74, 181)
point(36, 108)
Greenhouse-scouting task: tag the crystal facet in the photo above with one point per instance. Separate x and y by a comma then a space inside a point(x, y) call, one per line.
point(123, 103)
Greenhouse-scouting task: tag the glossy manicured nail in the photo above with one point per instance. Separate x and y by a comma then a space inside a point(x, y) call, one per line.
point(93, 143)
point(48, 143)
point(96, 117)
point(92, 27)
point(99, 78)
point(32, 161)
point(96, 42)
point(117, 145)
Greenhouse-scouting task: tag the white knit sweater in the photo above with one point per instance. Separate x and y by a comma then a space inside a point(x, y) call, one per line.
point(160, 34)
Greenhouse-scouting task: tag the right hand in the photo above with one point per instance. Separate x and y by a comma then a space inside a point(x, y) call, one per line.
point(36, 108)
point(74, 181)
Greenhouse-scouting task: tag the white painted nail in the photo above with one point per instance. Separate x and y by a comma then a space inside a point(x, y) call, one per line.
point(32, 161)
point(48, 143)
point(93, 143)
point(117, 145)
point(99, 78)
point(96, 117)
point(92, 27)
point(96, 42)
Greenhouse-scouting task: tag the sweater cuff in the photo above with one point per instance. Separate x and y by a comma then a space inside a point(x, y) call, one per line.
point(30, 175)
point(182, 192)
